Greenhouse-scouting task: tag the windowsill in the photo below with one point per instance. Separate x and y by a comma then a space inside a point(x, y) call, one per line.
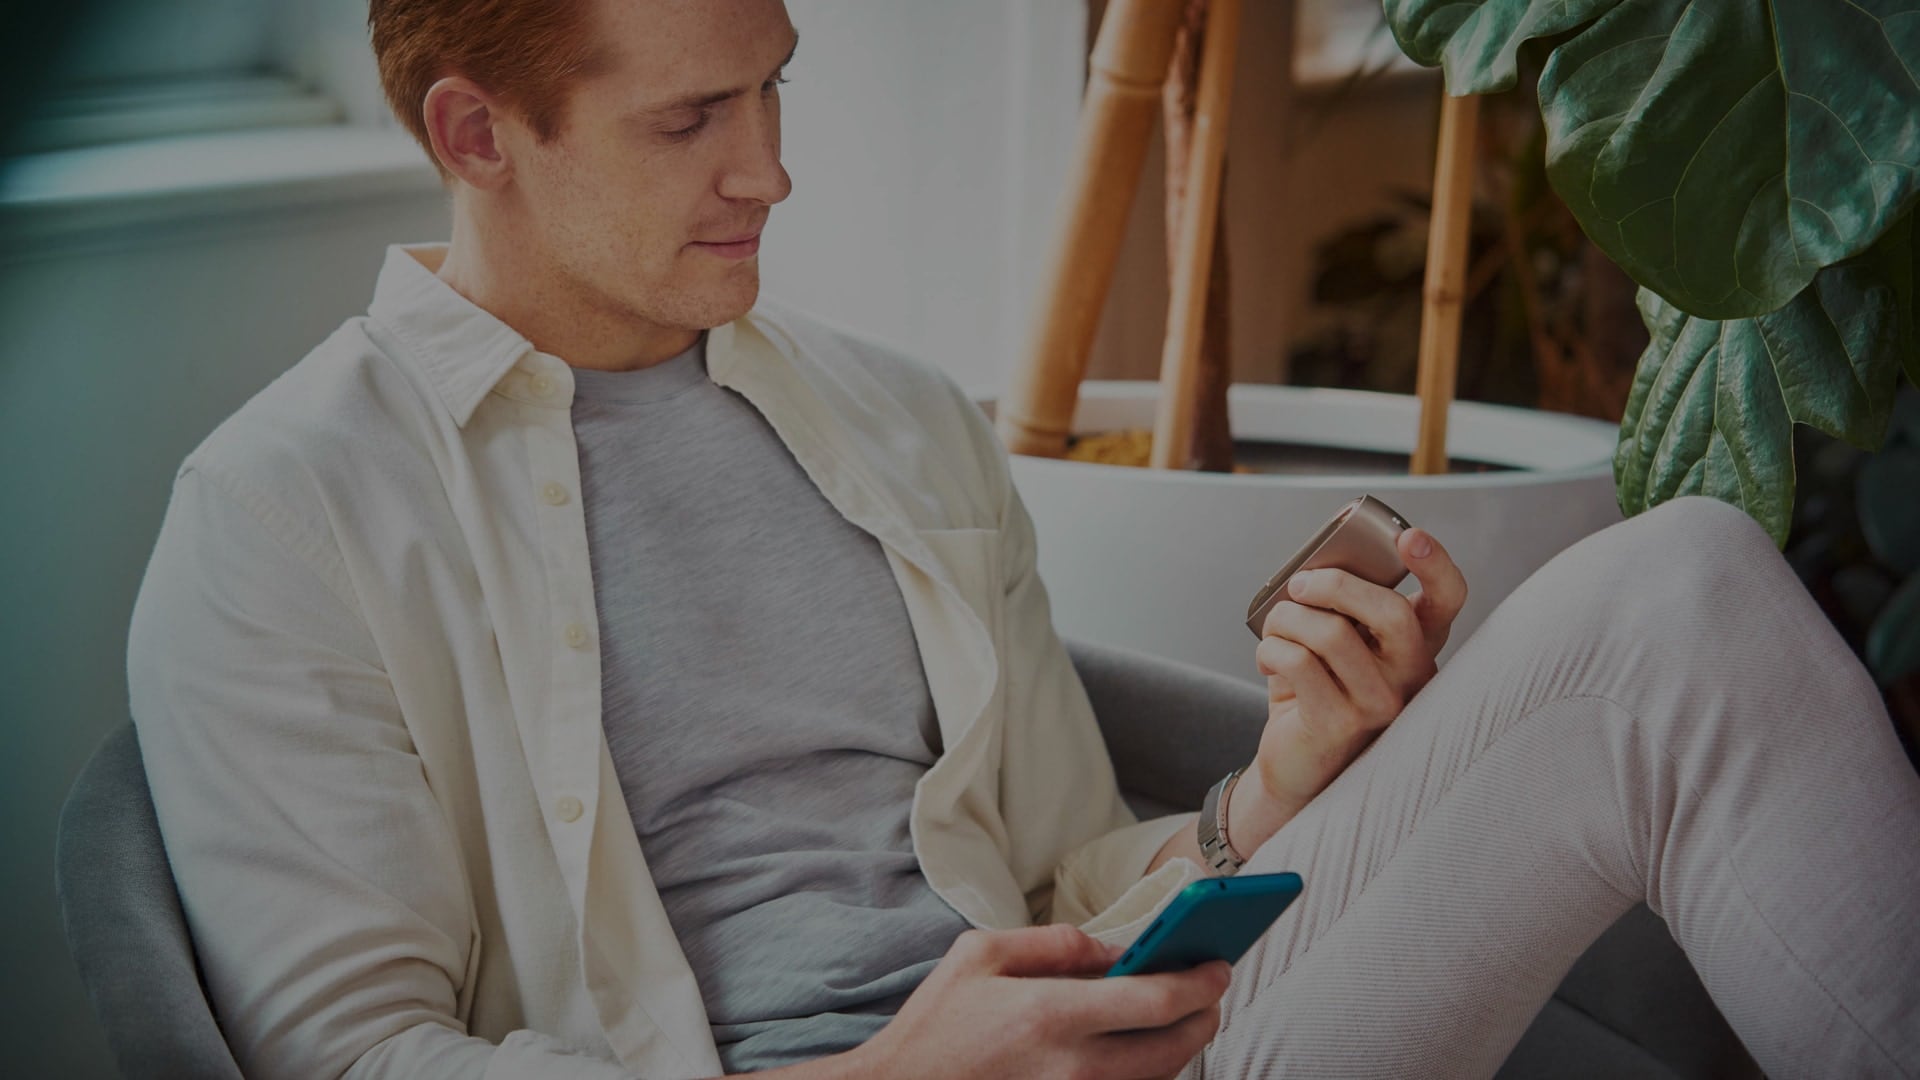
point(65, 193)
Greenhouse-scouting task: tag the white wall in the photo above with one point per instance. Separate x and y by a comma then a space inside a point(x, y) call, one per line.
point(121, 352)
point(929, 145)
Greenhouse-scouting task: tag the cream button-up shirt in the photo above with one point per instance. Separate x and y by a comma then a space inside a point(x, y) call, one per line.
point(366, 678)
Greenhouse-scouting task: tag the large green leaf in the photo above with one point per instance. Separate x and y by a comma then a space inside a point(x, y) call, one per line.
point(1714, 402)
point(1705, 417)
point(1838, 347)
point(1721, 152)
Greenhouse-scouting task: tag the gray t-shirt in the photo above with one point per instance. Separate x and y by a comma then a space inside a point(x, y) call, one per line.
point(767, 713)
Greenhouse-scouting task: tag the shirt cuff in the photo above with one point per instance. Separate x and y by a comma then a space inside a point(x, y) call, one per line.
point(1104, 889)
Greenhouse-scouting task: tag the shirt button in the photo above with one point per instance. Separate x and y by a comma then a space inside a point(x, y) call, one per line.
point(554, 492)
point(568, 808)
point(576, 635)
point(542, 385)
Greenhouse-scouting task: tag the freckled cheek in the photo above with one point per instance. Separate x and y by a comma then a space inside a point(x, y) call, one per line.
point(653, 248)
point(624, 222)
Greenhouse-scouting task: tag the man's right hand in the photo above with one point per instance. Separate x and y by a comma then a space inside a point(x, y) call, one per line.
point(1020, 1003)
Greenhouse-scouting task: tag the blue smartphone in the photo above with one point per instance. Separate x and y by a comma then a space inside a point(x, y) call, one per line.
point(1215, 919)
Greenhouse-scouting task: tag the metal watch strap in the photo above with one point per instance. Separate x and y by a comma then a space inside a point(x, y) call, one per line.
point(1215, 846)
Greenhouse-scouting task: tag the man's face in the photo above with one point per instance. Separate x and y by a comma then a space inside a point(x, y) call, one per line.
point(666, 152)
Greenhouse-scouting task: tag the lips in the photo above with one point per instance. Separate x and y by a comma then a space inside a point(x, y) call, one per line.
point(733, 249)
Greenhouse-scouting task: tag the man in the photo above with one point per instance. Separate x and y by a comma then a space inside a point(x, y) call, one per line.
point(577, 669)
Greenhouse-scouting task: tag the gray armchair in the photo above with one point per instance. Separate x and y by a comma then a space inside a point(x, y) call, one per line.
point(1631, 1006)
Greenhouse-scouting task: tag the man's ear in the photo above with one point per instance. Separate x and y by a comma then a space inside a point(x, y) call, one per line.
point(461, 120)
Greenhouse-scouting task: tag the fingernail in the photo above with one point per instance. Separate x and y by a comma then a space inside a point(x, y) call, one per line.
point(1300, 583)
point(1420, 546)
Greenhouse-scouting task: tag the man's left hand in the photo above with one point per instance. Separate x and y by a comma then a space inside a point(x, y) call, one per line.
point(1342, 657)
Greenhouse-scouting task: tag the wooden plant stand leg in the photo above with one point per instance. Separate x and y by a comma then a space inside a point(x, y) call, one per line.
point(1210, 447)
point(1444, 293)
point(1193, 261)
point(1128, 65)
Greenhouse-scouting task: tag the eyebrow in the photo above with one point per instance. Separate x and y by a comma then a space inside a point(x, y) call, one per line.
point(714, 97)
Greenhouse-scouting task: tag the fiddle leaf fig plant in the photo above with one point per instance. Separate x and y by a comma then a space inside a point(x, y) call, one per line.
point(1754, 165)
point(1714, 402)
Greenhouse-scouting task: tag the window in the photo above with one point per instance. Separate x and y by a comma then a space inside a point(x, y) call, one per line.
point(149, 68)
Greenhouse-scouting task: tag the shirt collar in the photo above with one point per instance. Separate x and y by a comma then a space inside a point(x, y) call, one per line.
point(466, 351)
point(463, 349)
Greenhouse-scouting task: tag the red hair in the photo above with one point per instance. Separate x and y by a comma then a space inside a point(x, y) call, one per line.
point(525, 52)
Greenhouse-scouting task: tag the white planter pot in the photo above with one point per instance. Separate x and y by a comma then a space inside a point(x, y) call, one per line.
point(1167, 561)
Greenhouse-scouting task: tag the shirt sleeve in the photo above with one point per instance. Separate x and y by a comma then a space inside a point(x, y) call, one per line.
point(321, 881)
point(1076, 847)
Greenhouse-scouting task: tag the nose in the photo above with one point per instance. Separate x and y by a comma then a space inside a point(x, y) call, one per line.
point(754, 172)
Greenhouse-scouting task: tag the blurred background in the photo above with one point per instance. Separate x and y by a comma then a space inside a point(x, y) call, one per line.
point(195, 192)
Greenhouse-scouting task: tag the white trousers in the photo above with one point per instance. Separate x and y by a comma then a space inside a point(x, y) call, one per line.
point(1663, 713)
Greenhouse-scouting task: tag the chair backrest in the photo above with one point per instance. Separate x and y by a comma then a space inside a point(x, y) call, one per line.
point(1171, 728)
point(125, 927)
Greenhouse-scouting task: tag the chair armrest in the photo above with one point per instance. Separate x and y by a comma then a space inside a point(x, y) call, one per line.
point(1171, 728)
point(125, 927)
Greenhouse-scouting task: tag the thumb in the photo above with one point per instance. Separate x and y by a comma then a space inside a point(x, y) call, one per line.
point(1443, 588)
point(1054, 950)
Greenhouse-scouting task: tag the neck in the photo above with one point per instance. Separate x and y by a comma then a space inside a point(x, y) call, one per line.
point(489, 267)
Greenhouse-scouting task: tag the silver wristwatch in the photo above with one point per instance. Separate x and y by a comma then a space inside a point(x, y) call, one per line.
point(1215, 847)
